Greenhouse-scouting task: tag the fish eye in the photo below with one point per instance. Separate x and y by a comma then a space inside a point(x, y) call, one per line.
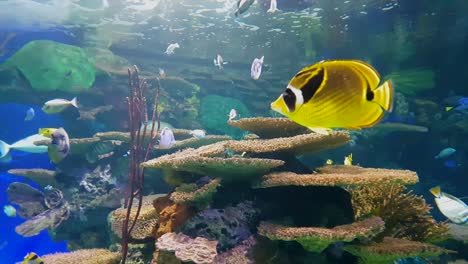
point(289, 99)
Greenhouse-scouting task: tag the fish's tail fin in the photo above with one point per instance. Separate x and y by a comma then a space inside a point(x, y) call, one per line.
point(383, 95)
point(4, 149)
point(448, 108)
point(74, 102)
point(435, 191)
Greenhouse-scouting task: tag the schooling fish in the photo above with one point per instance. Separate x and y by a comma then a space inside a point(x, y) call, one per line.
point(242, 6)
point(219, 62)
point(58, 105)
point(170, 49)
point(25, 144)
point(167, 138)
point(60, 146)
point(446, 152)
point(336, 94)
point(462, 105)
point(256, 68)
point(32, 258)
point(273, 7)
point(450, 206)
point(9, 210)
point(30, 114)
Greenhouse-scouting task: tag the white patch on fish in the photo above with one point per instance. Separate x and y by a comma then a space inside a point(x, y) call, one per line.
point(25, 144)
point(256, 69)
point(170, 49)
point(273, 7)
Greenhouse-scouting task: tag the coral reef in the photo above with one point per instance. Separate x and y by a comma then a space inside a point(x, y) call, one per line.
point(391, 249)
point(30, 200)
point(406, 215)
point(199, 198)
point(458, 232)
point(240, 254)
point(84, 256)
point(50, 65)
point(266, 127)
point(316, 239)
point(199, 250)
point(170, 215)
point(145, 224)
point(228, 226)
point(337, 175)
point(40, 176)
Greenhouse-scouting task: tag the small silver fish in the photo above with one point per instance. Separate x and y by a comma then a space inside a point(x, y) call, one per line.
point(446, 152)
point(232, 114)
point(30, 114)
point(170, 49)
point(162, 73)
point(198, 133)
point(60, 146)
point(256, 69)
point(273, 7)
point(58, 105)
point(167, 138)
point(219, 62)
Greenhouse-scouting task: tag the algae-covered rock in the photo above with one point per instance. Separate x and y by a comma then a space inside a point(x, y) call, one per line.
point(50, 65)
point(214, 113)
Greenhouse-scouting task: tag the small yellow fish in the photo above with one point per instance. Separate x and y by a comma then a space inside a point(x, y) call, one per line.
point(47, 132)
point(31, 258)
point(348, 160)
point(329, 162)
point(9, 210)
point(336, 94)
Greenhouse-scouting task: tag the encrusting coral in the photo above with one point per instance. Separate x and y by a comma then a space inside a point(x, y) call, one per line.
point(266, 127)
point(316, 239)
point(406, 215)
point(198, 250)
point(83, 256)
point(391, 249)
point(170, 215)
point(339, 175)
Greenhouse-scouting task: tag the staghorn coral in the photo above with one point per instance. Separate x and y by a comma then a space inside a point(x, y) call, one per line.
point(41, 176)
point(199, 250)
point(406, 215)
point(266, 127)
point(228, 226)
point(200, 197)
point(170, 215)
point(83, 256)
point(339, 175)
point(391, 249)
point(316, 239)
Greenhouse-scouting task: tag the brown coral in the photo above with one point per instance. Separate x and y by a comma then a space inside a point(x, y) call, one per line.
point(339, 175)
point(194, 142)
point(170, 215)
point(41, 176)
point(199, 250)
point(316, 239)
point(146, 222)
point(391, 249)
point(406, 215)
point(83, 256)
point(266, 127)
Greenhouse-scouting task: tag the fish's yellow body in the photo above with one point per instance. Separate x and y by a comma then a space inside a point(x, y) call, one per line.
point(336, 94)
point(32, 258)
point(47, 132)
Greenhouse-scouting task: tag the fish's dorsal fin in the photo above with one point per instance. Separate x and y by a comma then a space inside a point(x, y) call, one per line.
point(435, 191)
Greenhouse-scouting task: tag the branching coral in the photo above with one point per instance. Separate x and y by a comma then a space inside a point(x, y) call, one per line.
point(406, 215)
point(316, 239)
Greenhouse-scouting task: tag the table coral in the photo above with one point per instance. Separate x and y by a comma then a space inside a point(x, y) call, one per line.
point(316, 239)
point(40, 176)
point(200, 197)
point(84, 256)
point(266, 127)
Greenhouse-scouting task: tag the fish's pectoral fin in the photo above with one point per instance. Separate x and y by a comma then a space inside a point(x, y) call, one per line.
point(320, 130)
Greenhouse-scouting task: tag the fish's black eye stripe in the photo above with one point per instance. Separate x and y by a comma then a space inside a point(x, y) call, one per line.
point(369, 94)
point(312, 85)
point(290, 99)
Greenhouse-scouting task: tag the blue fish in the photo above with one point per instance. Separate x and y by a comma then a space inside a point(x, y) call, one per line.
point(451, 164)
point(462, 105)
